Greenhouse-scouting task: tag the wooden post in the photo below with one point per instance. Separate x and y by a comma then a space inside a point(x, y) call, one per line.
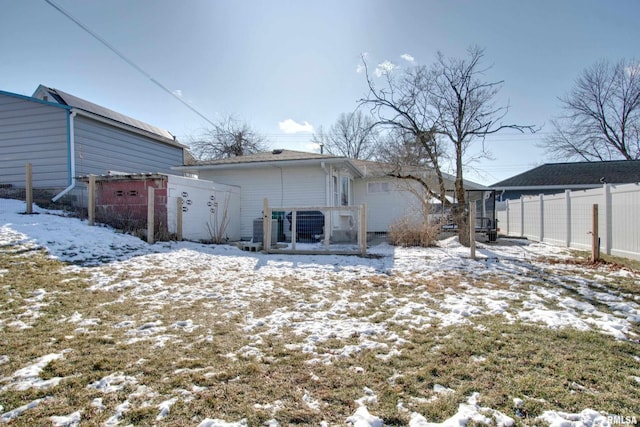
point(472, 228)
point(151, 214)
point(595, 252)
point(179, 219)
point(266, 225)
point(91, 204)
point(29, 188)
point(363, 229)
point(327, 227)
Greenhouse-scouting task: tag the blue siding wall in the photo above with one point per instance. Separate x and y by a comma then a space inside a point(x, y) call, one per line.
point(100, 148)
point(37, 133)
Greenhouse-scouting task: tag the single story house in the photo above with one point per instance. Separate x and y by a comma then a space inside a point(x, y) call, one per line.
point(290, 178)
point(65, 137)
point(553, 178)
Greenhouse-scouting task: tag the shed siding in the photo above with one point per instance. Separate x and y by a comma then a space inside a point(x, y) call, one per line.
point(100, 148)
point(286, 187)
point(37, 133)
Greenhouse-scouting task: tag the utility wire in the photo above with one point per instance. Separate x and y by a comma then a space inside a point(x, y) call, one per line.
point(127, 60)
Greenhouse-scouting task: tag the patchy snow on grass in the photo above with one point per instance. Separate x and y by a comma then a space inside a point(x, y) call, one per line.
point(29, 376)
point(179, 274)
point(70, 420)
point(15, 413)
point(467, 412)
point(221, 423)
point(113, 383)
point(588, 417)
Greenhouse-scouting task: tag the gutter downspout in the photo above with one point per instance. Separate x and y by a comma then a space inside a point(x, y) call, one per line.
point(72, 158)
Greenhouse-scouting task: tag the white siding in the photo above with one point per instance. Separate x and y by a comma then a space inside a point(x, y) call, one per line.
point(207, 204)
point(286, 186)
point(384, 208)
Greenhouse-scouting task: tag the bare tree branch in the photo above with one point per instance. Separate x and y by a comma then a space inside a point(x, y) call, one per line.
point(352, 135)
point(228, 138)
point(436, 112)
point(601, 115)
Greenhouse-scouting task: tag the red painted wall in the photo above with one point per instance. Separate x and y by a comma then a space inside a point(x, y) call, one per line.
point(123, 203)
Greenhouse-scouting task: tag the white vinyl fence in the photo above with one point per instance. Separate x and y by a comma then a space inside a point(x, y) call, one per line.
point(566, 219)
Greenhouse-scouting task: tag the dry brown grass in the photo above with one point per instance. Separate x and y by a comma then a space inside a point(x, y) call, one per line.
point(206, 371)
point(410, 231)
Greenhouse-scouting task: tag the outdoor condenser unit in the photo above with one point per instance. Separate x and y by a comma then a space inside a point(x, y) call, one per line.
point(258, 231)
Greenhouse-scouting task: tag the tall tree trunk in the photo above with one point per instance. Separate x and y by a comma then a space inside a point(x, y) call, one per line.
point(461, 216)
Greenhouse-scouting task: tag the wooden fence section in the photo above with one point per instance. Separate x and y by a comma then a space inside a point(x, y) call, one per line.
point(566, 219)
point(314, 230)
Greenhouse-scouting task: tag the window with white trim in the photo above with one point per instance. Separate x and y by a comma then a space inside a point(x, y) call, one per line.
point(346, 188)
point(378, 187)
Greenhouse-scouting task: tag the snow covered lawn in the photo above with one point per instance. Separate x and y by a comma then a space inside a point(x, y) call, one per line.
point(98, 327)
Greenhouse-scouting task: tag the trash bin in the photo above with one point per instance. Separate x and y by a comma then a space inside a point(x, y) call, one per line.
point(309, 224)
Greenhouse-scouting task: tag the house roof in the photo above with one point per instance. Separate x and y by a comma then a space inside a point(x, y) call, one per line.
point(364, 168)
point(373, 169)
point(575, 174)
point(268, 156)
point(60, 97)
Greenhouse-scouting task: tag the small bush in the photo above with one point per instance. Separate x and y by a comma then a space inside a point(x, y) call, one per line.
point(413, 232)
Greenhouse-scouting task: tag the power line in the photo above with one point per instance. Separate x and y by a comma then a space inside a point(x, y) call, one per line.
point(125, 59)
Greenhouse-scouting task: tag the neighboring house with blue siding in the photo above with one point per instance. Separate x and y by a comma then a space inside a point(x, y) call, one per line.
point(65, 137)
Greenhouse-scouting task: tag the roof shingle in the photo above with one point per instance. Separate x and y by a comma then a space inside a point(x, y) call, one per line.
point(577, 173)
point(81, 104)
point(268, 156)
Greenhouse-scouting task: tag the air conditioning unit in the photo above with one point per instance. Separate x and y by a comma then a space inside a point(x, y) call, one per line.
point(258, 231)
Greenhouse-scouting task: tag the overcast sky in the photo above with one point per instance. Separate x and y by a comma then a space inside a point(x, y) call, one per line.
point(288, 67)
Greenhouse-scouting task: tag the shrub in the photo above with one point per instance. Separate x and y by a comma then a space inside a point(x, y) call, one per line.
point(409, 231)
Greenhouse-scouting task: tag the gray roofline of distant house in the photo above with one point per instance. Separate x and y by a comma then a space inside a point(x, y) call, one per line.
point(573, 175)
point(546, 187)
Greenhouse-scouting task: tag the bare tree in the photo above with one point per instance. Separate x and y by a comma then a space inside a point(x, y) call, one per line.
point(352, 135)
point(228, 138)
point(441, 109)
point(601, 119)
point(402, 107)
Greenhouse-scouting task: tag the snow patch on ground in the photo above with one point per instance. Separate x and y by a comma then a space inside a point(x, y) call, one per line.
point(29, 376)
point(531, 294)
